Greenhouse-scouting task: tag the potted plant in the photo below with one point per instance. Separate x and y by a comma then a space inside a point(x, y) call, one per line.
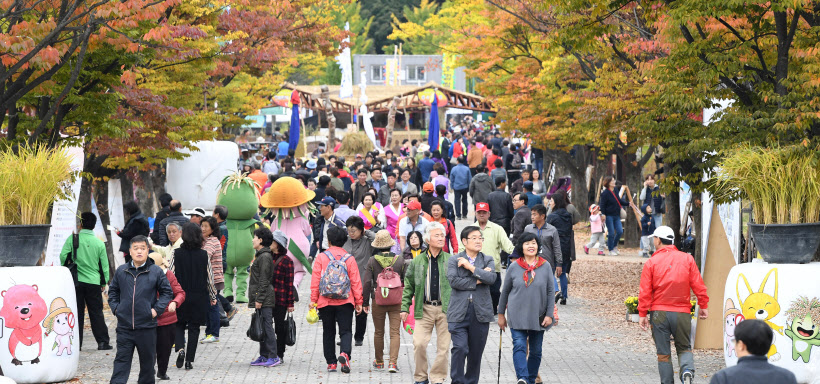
point(631, 303)
point(783, 184)
point(31, 180)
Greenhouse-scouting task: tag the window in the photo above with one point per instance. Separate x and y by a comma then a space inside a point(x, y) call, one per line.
point(376, 73)
point(416, 73)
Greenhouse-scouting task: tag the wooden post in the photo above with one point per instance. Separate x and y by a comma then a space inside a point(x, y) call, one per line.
point(331, 119)
point(391, 122)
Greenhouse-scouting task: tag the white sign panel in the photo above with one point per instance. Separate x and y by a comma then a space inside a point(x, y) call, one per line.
point(64, 213)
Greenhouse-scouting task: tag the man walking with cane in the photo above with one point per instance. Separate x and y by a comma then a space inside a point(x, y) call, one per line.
point(666, 281)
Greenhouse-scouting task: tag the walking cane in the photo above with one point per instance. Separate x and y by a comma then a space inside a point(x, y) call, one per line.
point(500, 340)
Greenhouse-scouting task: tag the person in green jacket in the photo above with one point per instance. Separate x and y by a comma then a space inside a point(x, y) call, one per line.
point(427, 284)
point(92, 277)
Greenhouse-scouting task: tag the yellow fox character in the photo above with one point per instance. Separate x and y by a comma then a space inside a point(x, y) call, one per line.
point(760, 305)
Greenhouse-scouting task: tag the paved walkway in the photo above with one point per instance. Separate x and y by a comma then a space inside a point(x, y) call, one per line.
point(578, 350)
point(581, 349)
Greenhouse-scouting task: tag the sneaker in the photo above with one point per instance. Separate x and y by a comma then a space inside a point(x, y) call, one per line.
point(557, 297)
point(601, 253)
point(522, 381)
point(344, 360)
point(378, 365)
point(229, 298)
point(422, 382)
point(231, 313)
point(613, 252)
point(203, 338)
point(687, 377)
point(392, 368)
point(209, 339)
point(261, 361)
point(586, 250)
point(359, 343)
point(331, 367)
point(272, 362)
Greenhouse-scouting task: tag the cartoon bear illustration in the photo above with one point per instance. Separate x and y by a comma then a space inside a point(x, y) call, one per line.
point(761, 305)
point(60, 320)
point(732, 318)
point(802, 319)
point(23, 310)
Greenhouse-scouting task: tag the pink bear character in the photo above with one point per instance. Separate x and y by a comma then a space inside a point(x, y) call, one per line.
point(23, 309)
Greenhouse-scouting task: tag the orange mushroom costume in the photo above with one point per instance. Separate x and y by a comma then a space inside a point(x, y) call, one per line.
point(291, 203)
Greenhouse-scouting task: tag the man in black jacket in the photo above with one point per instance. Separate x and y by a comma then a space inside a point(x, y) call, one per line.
point(501, 212)
point(135, 288)
point(753, 338)
point(164, 202)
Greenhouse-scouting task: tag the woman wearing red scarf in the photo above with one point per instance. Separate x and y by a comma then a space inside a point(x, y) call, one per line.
point(528, 291)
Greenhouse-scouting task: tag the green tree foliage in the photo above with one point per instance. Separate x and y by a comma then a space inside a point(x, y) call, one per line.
point(417, 42)
point(360, 40)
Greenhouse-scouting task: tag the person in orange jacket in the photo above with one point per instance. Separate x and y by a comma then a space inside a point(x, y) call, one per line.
point(666, 281)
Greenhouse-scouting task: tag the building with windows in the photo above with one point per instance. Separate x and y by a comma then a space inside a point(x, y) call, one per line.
point(415, 70)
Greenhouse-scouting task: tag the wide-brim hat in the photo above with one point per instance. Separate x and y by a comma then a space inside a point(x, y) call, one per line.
point(287, 192)
point(280, 238)
point(383, 240)
point(158, 260)
point(58, 306)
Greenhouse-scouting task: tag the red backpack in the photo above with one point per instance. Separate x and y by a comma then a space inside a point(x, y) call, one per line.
point(388, 287)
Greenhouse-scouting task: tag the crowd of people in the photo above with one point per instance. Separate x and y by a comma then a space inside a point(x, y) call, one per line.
point(383, 245)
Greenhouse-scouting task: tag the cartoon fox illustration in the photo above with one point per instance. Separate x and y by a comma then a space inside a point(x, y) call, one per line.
point(761, 305)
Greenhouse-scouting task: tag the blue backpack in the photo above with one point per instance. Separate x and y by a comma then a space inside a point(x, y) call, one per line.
point(335, 282)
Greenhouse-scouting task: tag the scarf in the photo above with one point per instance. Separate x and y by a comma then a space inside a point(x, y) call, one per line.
point(529, 270)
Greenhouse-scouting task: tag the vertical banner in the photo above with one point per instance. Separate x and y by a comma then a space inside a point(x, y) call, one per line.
point(392, 71)
point(343, 60)
point(64, 213)
point(116, 217)
point(448, 69)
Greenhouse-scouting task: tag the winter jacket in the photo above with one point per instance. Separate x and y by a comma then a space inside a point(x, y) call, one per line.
point(135, 291)
point(92, 259)
point(163, 213)
point(460, 177)
point(754, 369)
point(137, 225)
point(666, 281)
point(168, 317)
point(375, 266)
point(596, 225)
point(480, 188)
point(609, 203)
point(269, 286)
point(474, 157)
point(522, 218)
point(320, 264)
point(496, 173)
point(318, 228)
point(501, 208)
point(415, 283)
point(561, 219)
point(407, 253)
point(192, 268)
point(647, 225)
point(517, 186)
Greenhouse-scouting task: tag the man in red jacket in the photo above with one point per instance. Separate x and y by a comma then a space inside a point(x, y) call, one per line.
point(666, 281)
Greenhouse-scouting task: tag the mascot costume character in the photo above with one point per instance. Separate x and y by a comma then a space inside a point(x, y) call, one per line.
point(290, 202)
point(239, 194)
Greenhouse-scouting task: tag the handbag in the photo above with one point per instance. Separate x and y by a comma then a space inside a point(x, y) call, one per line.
point(623, 211)
point(291, 339)
point(255, 332)
point(71, 259)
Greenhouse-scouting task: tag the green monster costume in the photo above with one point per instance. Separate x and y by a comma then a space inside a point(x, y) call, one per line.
point(802, 326)
point(239, 195)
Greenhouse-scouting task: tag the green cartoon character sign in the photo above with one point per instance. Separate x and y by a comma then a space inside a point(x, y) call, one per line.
point(803, 326)
point(239, 194)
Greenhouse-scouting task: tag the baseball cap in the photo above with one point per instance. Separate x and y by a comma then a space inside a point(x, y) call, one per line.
point(197, 211)
point(665, 233)
point(413, 205)
point(428, 187)
point(482, 207)
point(327, 200)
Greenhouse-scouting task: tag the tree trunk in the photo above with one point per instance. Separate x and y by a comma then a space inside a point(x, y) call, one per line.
point(575, 163)
point(100, 191)
point(331, 119)
point(632, 166)
point(697, 223)
point(391, 123)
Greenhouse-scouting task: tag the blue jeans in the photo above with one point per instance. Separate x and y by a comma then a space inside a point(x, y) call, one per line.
point(526, 367)
point(615, 229)
point(658, 218)
point(564, 283)
point(212, 324)
point(539, 165)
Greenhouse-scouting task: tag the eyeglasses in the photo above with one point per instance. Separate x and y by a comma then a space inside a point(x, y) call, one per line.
point(476, 238)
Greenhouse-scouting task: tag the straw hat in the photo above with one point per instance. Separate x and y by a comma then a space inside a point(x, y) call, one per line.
point(287, 192)
point(383, 240)
point(58, 306)
point(158, 260)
